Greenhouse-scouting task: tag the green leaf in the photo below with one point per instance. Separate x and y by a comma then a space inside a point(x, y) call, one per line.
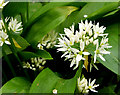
point(109, 90)
point(16, 85)
point(33, 8)
point(47, 22)
point(7, 50)
point(47, 81)
point(25, 55)
point(112, 61)
point(14, 8)
point(95, 10)
point(21, 42)
point(42, 10)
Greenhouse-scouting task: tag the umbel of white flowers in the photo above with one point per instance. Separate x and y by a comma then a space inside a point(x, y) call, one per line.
point(3, 3)
point(73, 42)
point(13, 25)
point(36, 62)
point(84, 86)
point(48, 41)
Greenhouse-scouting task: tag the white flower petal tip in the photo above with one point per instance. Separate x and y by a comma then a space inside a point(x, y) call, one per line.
point(85, 16)
point(54, 91)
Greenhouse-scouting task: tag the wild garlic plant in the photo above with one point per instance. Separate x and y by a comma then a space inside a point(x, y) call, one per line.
point(74, 42)
point(13, 25)
point(48, 41)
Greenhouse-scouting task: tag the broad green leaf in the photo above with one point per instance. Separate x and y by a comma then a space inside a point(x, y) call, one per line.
point(7, 50)
point(42, 10)
point(16, 85)
point(14, 8)
point(94, 10)
point(47, 81)
point(33, 8)
point(109, 90)
point(25, 55)
point(21, 42)
point(112, 61)
point(47, 22)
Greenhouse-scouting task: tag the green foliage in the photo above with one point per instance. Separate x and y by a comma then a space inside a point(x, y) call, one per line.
point(16, 85)
point(109, 90)
point(47, 81)
point(112, 61)
point(94, 10)
point(39, 53)
point(14, 8)
point(40, 18)
point(47, 22)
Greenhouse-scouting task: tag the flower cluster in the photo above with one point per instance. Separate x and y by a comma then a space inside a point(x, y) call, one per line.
point(12, 25)
point(15, 26)
point(48, 41)
point(35, 63)
point(73, 43)
point(84, 86)
point(3, 3)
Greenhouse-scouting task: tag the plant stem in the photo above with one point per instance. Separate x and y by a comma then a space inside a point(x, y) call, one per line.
point(13, 48)
point(8, 62)
point(79, 71)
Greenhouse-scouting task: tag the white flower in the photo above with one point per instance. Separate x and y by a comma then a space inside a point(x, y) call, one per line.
point(14, 25)
point(95, 42)
point(48, 41)
point(80, 54)
point(70, 33)
point(98, 31)
point(104, 43)
point(85, 27)
point(82, 85)
point(3, 38)
point(36, 63)
point(77, 37)
point(1, 24)
point(91, 39)
point(55, 91)
point(40, 46)
point(92, 86)
point(2, 4)
point(99, 53)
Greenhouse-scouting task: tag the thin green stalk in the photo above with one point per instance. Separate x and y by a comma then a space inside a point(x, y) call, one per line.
point(8, 62)
point(79, 71)
point(13, 48)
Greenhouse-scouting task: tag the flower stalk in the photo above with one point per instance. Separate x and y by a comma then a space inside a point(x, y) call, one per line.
point(8, 62)
point(13, 48)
